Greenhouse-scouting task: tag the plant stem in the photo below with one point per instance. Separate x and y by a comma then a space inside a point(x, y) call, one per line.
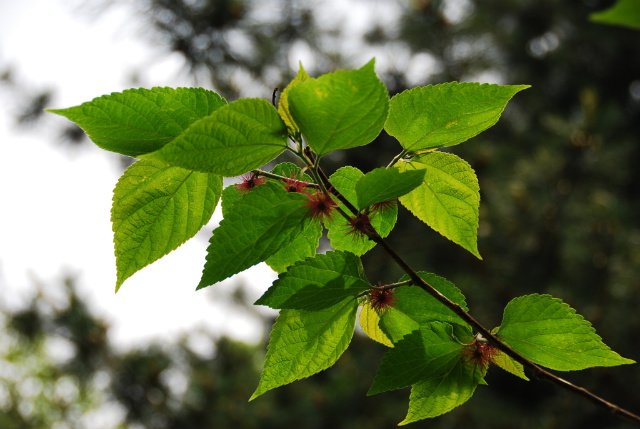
point(397, 157)
point(282, 178)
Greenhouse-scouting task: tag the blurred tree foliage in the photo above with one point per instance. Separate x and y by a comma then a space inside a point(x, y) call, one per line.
point(559, 212)
point(58, 370)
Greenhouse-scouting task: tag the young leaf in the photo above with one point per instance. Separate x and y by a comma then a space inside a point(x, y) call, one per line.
point(508, 364)
point(547, 331)
point(340, 110)
point(283, 105)
point(317, 283)
point(155, 209)
point(423, 354)
point(449, 198)
point(139, 121)
point(236, 138)
point(423, 308)
point(447, 114)
point(296, 180)
point(340, 234)
point(231, 194)
point(384, 184)
point(369, 322)
point(292, 171)
point(442, 392)
point(625, 13)
point(257, 226)
point(304, 343)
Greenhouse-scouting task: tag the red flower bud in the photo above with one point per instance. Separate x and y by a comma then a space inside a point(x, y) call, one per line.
point(250, 181)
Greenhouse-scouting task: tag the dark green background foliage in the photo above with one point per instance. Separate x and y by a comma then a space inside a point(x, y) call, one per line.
point(559, 214)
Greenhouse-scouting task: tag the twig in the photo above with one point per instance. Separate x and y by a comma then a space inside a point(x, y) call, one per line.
point(537, 371)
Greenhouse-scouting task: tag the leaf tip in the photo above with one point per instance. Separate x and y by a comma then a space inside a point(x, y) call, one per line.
point(60, 112)
point(371, 64)
point(202, 285)
point(119, 281)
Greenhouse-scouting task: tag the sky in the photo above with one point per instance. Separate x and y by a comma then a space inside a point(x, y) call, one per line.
point(56, 203)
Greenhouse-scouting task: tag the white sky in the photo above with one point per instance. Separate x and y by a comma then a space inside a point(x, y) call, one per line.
point(56, 205)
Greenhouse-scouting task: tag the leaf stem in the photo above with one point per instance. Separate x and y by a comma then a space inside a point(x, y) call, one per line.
point(397, 157)
point(281, 178)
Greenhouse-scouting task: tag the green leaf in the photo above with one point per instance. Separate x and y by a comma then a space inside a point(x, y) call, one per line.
point(442, 392)
point(449, 198)
point(345, 180)
point(236, 138)
point(301, 247)
point(508, 364)
point(139, 121)
point(625, 13)
point(230, 195)
point(384, 184)
point(304, 245)
point(307, 243)
point(283, 105)
point(423, 308)
point(369, 322)
point(317, 283)
point(415, 307)
point(304, 343)
point(340, 110)
point(396, 324)
point(547, 331)
point(155, 209)
point(257, 226)
point(290, 170)
point(447, 114)
point(423, 354)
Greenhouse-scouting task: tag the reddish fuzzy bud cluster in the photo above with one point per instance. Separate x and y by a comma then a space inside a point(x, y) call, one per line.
point(381, 298)
point(479, 354)
point(250, 181)
point(383, 206)
point(294, 185)
point(320, 206)
point(360, 226)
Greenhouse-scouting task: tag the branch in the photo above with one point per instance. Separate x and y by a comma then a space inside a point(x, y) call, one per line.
point(537, 371)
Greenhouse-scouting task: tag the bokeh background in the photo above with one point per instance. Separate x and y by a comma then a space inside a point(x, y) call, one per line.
point(559, 212)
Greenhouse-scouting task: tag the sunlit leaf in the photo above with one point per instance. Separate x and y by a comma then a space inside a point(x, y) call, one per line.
point(340, 110)
point(155, 209)
point(256, 226)
point(442, 115)
point(317, 283)
point(236, 138)
point(304, 343)
point(549, 332)
point(139, 121)
point(448, 199)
